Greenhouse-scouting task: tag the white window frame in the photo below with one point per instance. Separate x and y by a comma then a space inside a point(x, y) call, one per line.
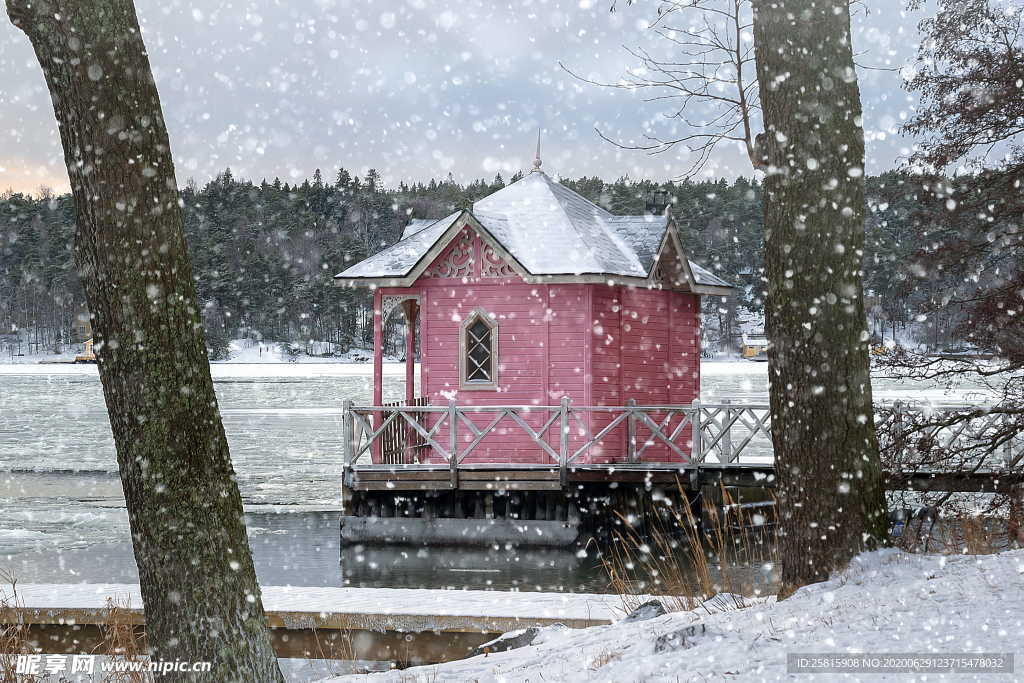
point(463, 360)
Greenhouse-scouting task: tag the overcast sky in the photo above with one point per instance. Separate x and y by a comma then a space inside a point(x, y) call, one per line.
point(415, 88)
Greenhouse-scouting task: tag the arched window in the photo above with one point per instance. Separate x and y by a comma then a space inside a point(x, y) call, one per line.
point(478, 351)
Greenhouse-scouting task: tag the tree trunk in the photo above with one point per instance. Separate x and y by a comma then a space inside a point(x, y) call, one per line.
point(830, 485)
point(202, 601)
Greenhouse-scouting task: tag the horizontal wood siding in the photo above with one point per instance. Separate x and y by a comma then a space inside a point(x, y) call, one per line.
point(529, 373)
point(606, 367)
point(596, 344)
point(568, 327)
point(684, 360)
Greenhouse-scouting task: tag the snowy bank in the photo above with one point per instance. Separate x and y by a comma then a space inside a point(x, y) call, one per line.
point(243, 351)
point(886, 602)
point(225, 370)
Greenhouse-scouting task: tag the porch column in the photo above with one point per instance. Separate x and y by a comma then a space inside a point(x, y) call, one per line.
point(378, 367)
point(411, 309)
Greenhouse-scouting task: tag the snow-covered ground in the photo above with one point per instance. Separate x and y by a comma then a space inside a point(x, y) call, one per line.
point(222, 370)
point(887, 602)
point(243, 351)
point(248, 351)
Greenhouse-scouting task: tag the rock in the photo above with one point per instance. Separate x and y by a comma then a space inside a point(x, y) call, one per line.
point(679, 639)
point(648, 610)
point(507, 641)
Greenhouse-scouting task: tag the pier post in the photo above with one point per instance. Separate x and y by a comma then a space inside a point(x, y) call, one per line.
point(727, 454)
point(897, 428)
point(563, 442)
point(631, 431)
point(410, 307)
point(378, 369)
point(697, 435)
point(348, 452)
point(453, 443)
point(346, 429)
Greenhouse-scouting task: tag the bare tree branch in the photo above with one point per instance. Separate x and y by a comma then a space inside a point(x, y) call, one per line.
point(705, 74)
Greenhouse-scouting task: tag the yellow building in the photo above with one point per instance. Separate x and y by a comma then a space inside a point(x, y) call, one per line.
point(87, 355)
point(754, 347)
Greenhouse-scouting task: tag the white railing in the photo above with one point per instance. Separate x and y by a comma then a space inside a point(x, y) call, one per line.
point(949, 438)
point(567, 434)
point(725, 432)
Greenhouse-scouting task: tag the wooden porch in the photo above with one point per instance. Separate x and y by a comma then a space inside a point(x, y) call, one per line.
point(399, 447)
point(415, 446)
point(414, 473)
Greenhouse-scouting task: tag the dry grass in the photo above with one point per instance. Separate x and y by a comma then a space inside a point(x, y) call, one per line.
point(605, 658)
point(334, 650)
point(428, 677)
point(122, 642)
point(14, 637)
point(689, 567)
point(961, 535)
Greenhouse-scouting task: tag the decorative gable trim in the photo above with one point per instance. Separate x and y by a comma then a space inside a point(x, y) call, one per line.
point(678, 276)
point(492, 265)
point(497, 253)
point(457, 263)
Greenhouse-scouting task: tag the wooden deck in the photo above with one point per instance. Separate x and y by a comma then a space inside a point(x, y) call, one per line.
point(494, 477)
point(407, 626)
point(700, 444)
point(498, 477)
point(585, 466)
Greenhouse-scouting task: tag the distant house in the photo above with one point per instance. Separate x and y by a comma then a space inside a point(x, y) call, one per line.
point(81, 327)
point(535, 294)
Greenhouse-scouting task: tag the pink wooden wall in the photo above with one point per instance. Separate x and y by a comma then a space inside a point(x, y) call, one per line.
point(646, 348)
point(596, 344)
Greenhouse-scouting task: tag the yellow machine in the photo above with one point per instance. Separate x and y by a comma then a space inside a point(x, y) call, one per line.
point(754, 348)
point(87, 355)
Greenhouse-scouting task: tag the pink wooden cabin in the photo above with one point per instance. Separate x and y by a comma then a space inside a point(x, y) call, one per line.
point(533, 295)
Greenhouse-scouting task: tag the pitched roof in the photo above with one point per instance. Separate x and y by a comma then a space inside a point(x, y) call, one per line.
point(552, 230)
point(548, 229)
point(398, 259)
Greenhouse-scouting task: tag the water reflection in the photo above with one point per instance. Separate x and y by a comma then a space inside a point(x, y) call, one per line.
point(503, 568)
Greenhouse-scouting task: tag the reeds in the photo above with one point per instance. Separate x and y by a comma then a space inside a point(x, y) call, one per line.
point(14, 633)
point(960, 535)
point(711, 566)
point(122, 642)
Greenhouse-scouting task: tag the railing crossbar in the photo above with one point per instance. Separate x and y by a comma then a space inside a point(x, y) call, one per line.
point(759, 427)
point(724, 428)
point(649, 441)
point(535, 435)
point(657, 432)
point(429, 436)
point(593, 440)
point(480, 435)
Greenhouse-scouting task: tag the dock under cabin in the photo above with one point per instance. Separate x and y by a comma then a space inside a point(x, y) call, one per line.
point(559, 374)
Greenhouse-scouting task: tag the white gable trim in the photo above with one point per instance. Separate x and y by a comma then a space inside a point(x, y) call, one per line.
point(465, 219)
point(672, 234)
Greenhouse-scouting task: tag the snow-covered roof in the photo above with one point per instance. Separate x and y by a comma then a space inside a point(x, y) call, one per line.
point(400, 257)
point(417, 224)
point(703, 276)
point(548, 229)
point(552, 230)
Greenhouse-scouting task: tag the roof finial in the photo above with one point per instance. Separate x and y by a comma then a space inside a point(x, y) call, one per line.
point(536, 160)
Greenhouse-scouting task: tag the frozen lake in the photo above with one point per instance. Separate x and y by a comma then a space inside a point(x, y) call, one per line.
point(62, 514)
